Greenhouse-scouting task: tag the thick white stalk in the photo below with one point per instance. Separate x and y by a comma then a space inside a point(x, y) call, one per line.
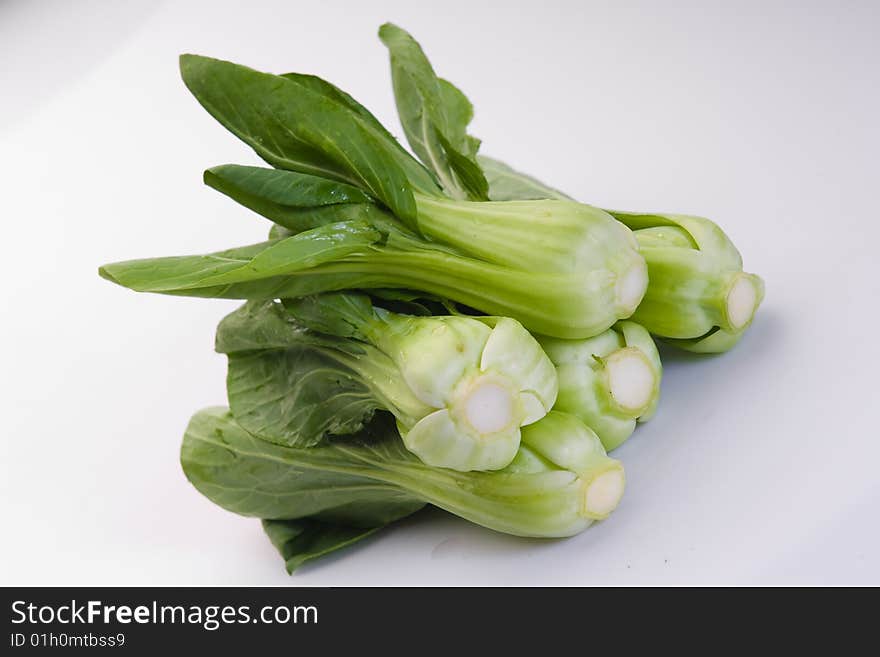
point(632, 381)
point(742, 302)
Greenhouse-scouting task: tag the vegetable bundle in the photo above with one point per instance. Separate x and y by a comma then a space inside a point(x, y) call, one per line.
point(442, 330)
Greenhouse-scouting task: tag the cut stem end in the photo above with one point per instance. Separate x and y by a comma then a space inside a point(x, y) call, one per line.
point(631, 380)
point(602, 494)
point(489, 408)
point(742, 301)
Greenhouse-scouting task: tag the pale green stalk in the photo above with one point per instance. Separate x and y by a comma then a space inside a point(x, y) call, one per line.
point(609, 382)
point(560, 482)
point(698, 296)
point(477, 384)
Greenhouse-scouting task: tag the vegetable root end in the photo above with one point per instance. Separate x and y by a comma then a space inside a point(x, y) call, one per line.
point(602, 494)
point(742, 301)
point(631, 380)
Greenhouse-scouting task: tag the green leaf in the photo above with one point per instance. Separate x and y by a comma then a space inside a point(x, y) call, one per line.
point(296, 201)
point(329, 89)
point(341, 314)
point(297, 396)
point(508, 184)
point(288, 188)
point(289, 385)
point(265, 260)
point(295, 126)
point(470, 176)
point(252, 477)
point(305, 539)
point(418, 175)
point(434, 115)
point(303, 251)
point(369, 479)
point(459, 113)
point(178, 272)
point(259, 325)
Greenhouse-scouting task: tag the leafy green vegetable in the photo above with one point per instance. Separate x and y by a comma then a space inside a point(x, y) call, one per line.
point(481, 384)
point(243, 474)
point(216, 274)
point(295, 387)
point(701, 303)
point(698, 297)
point(304, 539)
point(297, 396)
point(327, 89)
point(459, 390)
point(298, 126)
point(383, 359)
point(284, 188)
point(609, 381)
point(434, 115)
point(559, 483)
point(296, 201)
point(559, 267)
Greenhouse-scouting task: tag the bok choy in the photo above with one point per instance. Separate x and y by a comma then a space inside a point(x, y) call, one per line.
point(698, 297)
point(459, 390)
point(428, 329)
point(609, 381)
point(367, 215)
point(558, 484)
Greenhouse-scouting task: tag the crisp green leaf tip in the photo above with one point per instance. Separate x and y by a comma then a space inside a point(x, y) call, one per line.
point(104, 273)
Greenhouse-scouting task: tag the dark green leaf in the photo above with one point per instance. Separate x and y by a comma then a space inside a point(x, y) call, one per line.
point(294, 126)
point(369, 479)
point(470, 175)
point(418, 175)
point(260, 325)
point(288, 188)
point(294, 200)
point(297, 396)
point(252, 477)
point(305, 539)
point(341, 314)
point(434, 115)
point(289, 385)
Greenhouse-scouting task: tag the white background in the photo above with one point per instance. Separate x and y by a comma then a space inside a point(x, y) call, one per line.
point(762, 465)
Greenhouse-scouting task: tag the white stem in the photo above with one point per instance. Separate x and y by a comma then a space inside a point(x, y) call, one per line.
point(631, 379)
point(602, 494)
point(489, 407)
point(741, 302)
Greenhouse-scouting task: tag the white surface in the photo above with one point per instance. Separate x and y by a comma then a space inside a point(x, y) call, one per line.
point(761, 465)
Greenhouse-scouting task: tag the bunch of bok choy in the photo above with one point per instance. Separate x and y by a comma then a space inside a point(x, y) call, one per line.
point(427, 328)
